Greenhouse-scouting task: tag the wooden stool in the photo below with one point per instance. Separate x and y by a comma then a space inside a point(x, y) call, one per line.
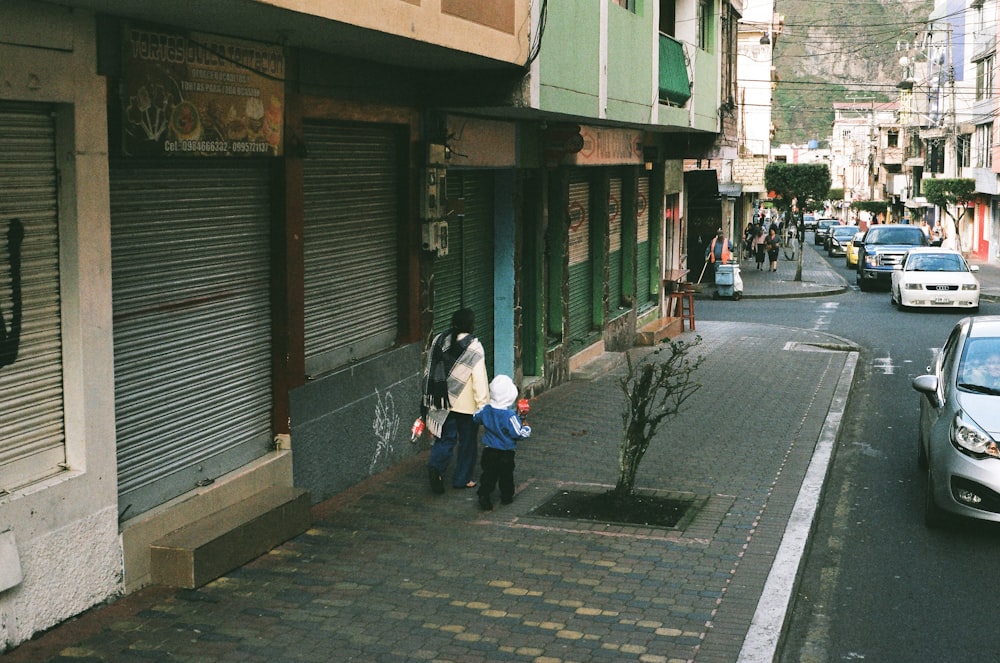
point(685, 307)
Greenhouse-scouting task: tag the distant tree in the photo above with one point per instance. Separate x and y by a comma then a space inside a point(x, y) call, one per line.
point(873, 207)
point(836, 194)
point(802, 184)
point(948, 194)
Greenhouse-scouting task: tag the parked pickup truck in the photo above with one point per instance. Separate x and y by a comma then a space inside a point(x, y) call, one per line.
point(881, 248)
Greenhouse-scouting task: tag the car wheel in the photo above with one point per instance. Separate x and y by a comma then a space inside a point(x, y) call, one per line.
point(934, 516)
point(921, 451)
point(862, 285)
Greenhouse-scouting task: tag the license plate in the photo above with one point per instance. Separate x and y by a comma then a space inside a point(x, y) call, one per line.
point(942, 300)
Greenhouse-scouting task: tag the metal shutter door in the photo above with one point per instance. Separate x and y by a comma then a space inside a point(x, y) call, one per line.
point(464, 277)
point(642, 279)
point(581, 278)
point(615, 244)
point(31, 398)
point(190, 274)
point(351, 243)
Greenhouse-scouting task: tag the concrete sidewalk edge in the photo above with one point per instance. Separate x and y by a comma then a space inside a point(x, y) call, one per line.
point(766, 628)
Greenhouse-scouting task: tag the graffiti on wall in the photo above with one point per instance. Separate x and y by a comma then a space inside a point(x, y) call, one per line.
point(385, 425)
point(10, 338)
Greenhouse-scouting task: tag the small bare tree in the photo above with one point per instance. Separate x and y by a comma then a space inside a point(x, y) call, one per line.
point(655, 388)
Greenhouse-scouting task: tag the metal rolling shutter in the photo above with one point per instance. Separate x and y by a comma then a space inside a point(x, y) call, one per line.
point(351, 240)
point(32, 444)
point(192, 323)
point(464, 277)
point(581, 277)
point(642, 280)
point(615, 245)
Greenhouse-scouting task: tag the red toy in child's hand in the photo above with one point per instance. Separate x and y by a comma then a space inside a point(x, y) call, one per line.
point(523, 407)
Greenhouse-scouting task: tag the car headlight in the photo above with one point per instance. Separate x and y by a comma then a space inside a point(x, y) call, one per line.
point(971, 439)
point(970, 286)
point(870, 260)
point(913, 286)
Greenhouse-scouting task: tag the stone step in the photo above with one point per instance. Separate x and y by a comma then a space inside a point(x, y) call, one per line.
point(599, 366)
point(201, 551)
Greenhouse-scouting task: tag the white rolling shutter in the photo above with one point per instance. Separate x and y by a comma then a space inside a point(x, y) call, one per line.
point(192, 323)
point(32, 434)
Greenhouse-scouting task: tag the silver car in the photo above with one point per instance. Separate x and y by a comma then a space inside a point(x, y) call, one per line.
point(960, 424)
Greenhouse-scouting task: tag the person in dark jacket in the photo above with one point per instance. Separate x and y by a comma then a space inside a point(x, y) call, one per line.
point(773, 245)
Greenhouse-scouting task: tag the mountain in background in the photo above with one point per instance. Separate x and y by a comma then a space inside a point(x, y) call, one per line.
point(838, 51)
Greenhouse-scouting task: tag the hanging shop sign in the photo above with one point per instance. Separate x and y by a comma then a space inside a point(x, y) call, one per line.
point(604, 146)
point(481, 143)
point(196, 94)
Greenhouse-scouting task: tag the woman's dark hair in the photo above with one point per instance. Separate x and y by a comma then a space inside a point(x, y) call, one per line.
point(463, 320)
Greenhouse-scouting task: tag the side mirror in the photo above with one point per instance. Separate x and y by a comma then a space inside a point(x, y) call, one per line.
point(973, 268)
point(928, 386)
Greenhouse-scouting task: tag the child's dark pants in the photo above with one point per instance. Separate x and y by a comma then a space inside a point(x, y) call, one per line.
point(498, 466)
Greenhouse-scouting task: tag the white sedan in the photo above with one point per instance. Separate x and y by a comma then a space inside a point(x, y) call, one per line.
point(935, 278)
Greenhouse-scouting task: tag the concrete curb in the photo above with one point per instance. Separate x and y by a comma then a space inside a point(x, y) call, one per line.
point(767, 626)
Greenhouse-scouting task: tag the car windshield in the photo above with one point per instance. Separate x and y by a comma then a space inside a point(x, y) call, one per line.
point(899, 235)
point(843, 232)
point(936, 262)
point(980, 367)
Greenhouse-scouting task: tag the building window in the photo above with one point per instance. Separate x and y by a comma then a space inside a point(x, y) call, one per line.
point(934, 161)
point(706, 25)
point(625, 4)
point(984, 153)
point(984, 78)
point(668, 17)
point(964, 147)
point(892, 138)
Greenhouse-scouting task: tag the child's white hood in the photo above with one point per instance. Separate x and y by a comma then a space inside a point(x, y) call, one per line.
point(503, 393)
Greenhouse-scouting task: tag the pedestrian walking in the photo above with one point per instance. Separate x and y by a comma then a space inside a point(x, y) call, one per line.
point(502, 428)
point(772, 245)
point(758, 246)
point(455, 387)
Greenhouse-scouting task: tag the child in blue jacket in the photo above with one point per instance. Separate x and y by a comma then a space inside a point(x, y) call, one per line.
point(502, 429)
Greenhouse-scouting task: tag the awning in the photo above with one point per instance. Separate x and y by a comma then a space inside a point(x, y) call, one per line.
point(915, 203)
point(730, 189)
point(674, 84)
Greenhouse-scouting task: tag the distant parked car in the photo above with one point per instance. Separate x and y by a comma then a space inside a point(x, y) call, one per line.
point(935, 278)
point(882, 248)
point(809, 221)
point(851, 255)
point(822, 227)
point(838, 239)
point(960, 424)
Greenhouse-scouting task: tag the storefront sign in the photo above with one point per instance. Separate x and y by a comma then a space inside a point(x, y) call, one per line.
point(483, 143)
point(195, 94)
point(608, 147)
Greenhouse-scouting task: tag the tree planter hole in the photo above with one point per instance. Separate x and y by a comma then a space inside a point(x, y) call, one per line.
point(638, 509)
